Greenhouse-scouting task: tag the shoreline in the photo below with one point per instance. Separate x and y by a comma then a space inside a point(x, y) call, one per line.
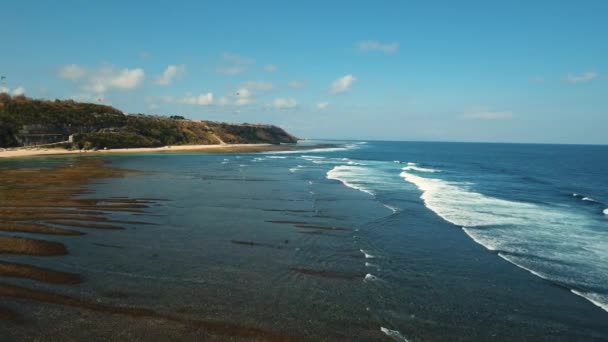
point(224, 148)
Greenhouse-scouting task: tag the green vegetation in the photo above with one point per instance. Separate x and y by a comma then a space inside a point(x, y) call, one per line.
point(25, 121)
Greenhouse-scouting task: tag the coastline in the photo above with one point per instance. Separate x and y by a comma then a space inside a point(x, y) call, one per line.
point(224, 148)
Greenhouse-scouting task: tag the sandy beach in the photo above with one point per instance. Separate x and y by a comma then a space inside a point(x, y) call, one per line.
point(224, 148)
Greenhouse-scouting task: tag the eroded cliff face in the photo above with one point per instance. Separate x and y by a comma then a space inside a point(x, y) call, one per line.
point(27, 122)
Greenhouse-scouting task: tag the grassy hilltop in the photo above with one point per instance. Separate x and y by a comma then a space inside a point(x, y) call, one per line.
point(26, 122)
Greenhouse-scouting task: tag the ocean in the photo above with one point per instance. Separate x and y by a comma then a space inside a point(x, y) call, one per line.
point(368, 240)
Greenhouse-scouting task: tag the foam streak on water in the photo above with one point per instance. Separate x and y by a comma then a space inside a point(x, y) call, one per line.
point(549, 242)
point(394, 334)
point(344, 173)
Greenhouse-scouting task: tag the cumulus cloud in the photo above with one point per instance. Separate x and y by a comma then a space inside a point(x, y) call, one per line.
point(258, 86)
point(86, 97)
point(110, 78)
point(170, 74)
point(243, 97)
point(322, 105)
point(295, 84)
point(270, 68)
point(72, 72)
point(342, 84)
point(372, 45)
point(234, 64)
point(17, 91)
point(201, 100)
point(103, 79)
point(581, 78)
point(488, 115)
point(284, 103)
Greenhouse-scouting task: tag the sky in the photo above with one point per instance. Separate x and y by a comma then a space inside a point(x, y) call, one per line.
point(491, 71)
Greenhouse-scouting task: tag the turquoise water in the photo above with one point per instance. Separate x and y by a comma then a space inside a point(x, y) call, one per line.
point(360, 242)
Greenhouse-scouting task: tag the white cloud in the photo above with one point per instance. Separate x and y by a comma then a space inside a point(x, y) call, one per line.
point(201, 100)
point(581, 78)
point(17, 91)
point(72, 72)
point(84, 97)
point(488, 115)
point(270, 68)
point(126, 78)
point(372, 45)
point(295, 84)
point(258, 86)
point(342, 84)
point(223, 101)
point(170, 74)
point(106, 78)
point(322, 105)
point(243, 97)
point(284, 103)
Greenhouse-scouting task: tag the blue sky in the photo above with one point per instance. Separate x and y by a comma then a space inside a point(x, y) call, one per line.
point(498, 71)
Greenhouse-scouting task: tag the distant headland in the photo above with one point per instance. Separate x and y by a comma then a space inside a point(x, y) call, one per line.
point(27, 123)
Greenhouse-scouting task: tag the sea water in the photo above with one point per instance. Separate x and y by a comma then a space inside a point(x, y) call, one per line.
point(362, 241)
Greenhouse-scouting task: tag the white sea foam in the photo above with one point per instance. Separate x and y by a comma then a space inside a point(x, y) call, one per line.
point(396, 162)
point(294, 169)
point(276, 157)
point(369, 264)
point(367, 255)
point(415, 167)
point(370, 277)
point(456, 204)
point(391, 208)
point(589, 199)
point(523, 267)
point(394, 334)
point(317, 150)
point(347, 175)
point(312, 157)
point(487, 243)
point(595, 298)
point(605, 211)
point(546, 240)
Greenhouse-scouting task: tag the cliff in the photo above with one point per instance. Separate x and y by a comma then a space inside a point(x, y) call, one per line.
point(26, 122)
